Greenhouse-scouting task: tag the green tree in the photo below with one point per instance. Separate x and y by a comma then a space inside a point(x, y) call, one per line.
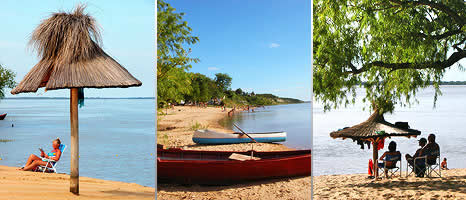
point(201, 88)
point(173, 61)
point(239, 91)
point(7, 80)
point(395, 47)
point(173, 87)
point(223, 81)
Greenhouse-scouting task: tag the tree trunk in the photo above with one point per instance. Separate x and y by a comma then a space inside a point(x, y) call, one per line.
point(74, 165)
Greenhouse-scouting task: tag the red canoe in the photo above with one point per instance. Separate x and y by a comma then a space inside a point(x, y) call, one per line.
point(2, 116)
point(215, 167)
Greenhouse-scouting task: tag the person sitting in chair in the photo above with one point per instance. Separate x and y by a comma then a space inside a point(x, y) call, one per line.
point(33, 161)
point(431, 150)
point(392, 156)
point(409, 158)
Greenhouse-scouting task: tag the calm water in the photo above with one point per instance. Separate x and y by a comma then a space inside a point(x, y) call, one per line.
point(295, 119)
point(447, 121)
point(116, 136)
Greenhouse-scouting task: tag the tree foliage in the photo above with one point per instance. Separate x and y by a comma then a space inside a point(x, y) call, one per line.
point(223, 81)
point(395, 46)
point(173, 61)
point(7, 80)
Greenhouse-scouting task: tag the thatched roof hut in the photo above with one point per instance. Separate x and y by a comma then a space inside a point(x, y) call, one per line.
point(68, 44)
point(374, 130)
point(374, 127)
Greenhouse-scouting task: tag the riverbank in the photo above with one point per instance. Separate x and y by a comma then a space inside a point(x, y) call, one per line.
point(358, 186)
point(176, 129)
point(23, 185)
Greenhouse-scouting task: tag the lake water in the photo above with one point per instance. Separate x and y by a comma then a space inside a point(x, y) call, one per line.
point(446, 121)
point(116, 136)
point(294, 119)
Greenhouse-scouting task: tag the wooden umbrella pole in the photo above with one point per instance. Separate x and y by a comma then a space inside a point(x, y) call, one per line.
point(74, 165)
point(375, 156)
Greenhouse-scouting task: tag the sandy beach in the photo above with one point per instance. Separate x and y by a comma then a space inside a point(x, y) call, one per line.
point(33, 185)
point(176, 129)
point(357, 186)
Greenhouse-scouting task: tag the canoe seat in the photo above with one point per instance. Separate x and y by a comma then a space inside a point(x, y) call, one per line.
point(241, 157)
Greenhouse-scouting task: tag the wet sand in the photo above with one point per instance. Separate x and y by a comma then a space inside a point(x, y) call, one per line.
point(176, 130)
point(27, 185)
point(358, 186)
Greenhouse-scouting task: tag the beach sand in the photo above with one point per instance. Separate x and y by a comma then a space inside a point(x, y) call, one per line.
point(357, 186)
point(177, 127)
point(22, 185)
point(176, 130)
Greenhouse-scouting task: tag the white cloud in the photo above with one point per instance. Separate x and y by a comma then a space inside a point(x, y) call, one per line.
point(213, 68)
point(274, 45)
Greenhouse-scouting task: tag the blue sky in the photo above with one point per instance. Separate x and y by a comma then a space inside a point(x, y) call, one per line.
point(264, 45)
point(127, 33)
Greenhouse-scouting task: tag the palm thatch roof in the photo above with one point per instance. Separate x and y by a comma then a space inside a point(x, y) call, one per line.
point(374, 127)
point(71, 57)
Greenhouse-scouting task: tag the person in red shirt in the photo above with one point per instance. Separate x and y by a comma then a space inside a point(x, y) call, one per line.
point(444, 164)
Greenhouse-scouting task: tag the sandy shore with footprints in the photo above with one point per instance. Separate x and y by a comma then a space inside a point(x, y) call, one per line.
point(452, 185)
point(21, 185)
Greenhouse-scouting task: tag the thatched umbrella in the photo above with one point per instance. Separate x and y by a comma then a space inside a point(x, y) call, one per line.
point(374, 130)
point(71, 58)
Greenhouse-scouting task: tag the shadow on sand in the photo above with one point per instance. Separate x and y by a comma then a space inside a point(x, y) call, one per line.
point(209, 188)
point(450, 183)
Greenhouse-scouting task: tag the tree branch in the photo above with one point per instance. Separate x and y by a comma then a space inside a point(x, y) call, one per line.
point(455, 57)
point(442, 7)
point(441, 36)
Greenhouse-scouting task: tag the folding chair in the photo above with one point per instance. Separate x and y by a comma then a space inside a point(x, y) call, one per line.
point(433, 165)
point(391, 171)
point(409, 167)
point(428, 165)
point(53, 163)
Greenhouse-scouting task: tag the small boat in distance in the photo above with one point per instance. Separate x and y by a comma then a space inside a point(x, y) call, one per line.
point(228, 167)
point(213, 137)
point(2, 116)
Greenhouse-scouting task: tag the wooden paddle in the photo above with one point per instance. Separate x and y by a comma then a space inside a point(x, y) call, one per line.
point(244, 132)
point(252, 144)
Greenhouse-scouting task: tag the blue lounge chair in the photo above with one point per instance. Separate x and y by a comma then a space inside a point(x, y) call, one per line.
point(53, 163)
point(391, 171)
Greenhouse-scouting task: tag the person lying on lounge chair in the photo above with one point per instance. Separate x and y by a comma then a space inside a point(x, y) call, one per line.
point(392, 152)
point(33, 161)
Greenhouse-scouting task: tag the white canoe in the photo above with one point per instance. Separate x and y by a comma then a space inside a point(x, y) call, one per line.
point(213, 137)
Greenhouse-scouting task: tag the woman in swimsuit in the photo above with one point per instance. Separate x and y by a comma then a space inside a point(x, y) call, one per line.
point(34, 161)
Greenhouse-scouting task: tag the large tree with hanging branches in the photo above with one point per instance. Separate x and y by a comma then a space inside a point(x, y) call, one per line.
point(391, 48)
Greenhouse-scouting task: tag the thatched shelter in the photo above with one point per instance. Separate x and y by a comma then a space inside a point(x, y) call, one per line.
point(374, 130)
point(71, 58)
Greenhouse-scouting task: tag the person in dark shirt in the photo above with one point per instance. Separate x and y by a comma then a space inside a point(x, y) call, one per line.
point(431, 150)
point(409, 158)
point(429, 154)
